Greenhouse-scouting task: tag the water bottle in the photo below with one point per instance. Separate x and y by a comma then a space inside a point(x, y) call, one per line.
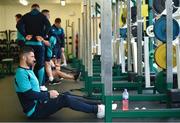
point(125, 96)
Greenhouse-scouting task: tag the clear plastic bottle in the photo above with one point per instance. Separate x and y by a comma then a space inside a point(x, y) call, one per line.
point(125, 102)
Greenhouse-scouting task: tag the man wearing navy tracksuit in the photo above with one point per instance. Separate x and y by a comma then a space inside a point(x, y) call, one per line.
point(60, 44)
point(34, 26)
point(41, 104)
point(20, 39)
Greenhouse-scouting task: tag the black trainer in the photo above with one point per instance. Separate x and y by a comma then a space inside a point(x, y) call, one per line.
point(55, 81)
point(77, 76)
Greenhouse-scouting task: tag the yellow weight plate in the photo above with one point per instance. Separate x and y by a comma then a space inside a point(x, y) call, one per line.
point(158, 43)
point(160, 56)
point(144, 9)
point(123, 16)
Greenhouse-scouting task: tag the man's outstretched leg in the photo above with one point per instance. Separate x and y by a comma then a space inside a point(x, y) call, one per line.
point(53, 105)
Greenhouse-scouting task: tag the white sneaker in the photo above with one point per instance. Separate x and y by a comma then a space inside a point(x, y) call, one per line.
point(64, 64)
point(43, 88)
point(114, 106)
point(101, 111)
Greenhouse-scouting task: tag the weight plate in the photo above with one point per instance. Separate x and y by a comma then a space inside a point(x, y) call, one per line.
point(149, 31)
point(160, 29)
point(123, 32)
point(159, 6)
point(160, 56)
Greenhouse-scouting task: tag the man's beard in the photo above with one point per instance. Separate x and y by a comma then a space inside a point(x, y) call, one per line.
point(30, 65)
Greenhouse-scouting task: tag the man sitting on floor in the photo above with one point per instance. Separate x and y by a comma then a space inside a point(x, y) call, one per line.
point(37, 104)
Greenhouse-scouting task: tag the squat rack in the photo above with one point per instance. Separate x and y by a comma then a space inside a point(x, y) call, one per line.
point(106, 68)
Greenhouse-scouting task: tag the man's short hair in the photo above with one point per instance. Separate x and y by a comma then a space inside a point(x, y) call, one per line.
point(35, 6)
point(24, 50)
point(58, 20)
point(18, 16)
point(44, 11)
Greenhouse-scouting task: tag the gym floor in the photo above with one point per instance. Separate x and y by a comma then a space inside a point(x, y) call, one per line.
point(11, 111)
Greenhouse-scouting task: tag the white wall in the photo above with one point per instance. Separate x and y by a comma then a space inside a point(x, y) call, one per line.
point(7, 12)
point(2, 19)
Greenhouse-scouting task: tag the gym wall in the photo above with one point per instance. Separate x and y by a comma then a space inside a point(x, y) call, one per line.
point(71, 12)
point(2, 20)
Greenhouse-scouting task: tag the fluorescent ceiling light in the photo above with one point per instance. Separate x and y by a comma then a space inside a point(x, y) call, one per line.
point(23, 2)
point(113, 1)
point(63, 2)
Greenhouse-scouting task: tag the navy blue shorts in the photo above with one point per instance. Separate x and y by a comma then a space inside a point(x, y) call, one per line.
point(57, 52)
point(47, 59)
point(47, 56)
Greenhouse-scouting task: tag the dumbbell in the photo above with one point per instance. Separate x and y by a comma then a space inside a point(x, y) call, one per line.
point(4, 41)
point(11, 49)
point(1, 56)
point(4, 56)
point(3, 49)
point(12, 41)
point(16, 49)
point(15, 56)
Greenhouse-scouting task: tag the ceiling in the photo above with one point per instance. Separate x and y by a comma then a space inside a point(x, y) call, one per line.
point(11, 2)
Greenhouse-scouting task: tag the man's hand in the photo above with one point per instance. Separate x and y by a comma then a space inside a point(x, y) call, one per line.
point(57, 65)
point(46, 43)
point(39, 38)
point(33, 65)
point(53, 94)
point(28, 37)
point(62, 49)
